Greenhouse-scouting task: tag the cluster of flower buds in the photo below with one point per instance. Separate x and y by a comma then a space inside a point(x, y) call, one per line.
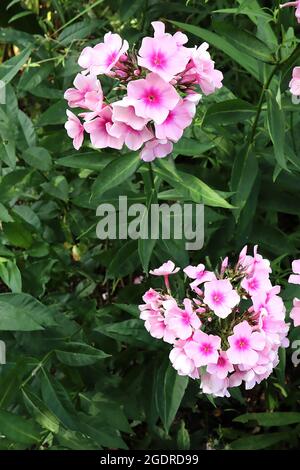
point(230, 327)
point(159, 90)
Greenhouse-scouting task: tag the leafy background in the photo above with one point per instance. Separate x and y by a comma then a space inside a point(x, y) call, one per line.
point(81, 372)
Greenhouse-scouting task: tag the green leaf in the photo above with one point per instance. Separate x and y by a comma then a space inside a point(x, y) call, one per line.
point(18, 429)
point(115, 173)
point(10, 380)
point(40, 411)
point(58, 187)
point(128, 331)
point(228, 112)
point(20, 15)
point(79, 354)
point(55, 114)
point(79, 30)
point(38, 157)
point(191, 147)
point(169, 391)
point(11, 67)
point(261, 441)
point(27, 128)
point(244, 174)
point(22, 312)
point(52, 396)
point(93, 427)
point(27, 215)
point(17, 235)
point(276, 126)
point(283, 418)
point(183, 437)
point(89, 161)
point(246, 42)
point(197, 190)
point(4, 214)
point(11, 276)
point(125, 261)
point(75, 441)
point(246, 10)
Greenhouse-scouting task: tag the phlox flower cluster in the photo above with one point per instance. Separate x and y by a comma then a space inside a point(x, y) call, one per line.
point(228, 329)
point(158, 90)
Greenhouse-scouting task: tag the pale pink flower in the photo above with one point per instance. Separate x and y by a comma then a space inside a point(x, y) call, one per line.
point(165, 269)
point(208, 78)
point(181, 362)
point(220, 297)
point(155, 324)
point(275, 330)
point(243, 255)
point(254, 265)
point(138, 280)
point(152, 97)
point(156, 148)
point(86, 94)
point(213, 385)
point(295, 313)
point(256, 283)
point(132, 138)
point(177, 120)
point(163, 54)
point(99, 128)
point(269, 302)
point(224, 265)
point(123, 111)
point(181, 321)
point(102, 57)
point(203, 348)
point(244, 344)
point(261, 370)
point(295, 278)
point(74, 129)
point(293, 4)
point(159, 32)
point(198, 273)
point(222, 368)
point(295, 82)
point(151, 297)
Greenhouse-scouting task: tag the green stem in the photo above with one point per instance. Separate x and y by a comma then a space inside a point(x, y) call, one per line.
point(260, 104)
point(152, 176)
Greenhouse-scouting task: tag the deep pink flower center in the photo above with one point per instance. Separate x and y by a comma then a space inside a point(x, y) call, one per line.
point(242, 343)
point(170, 117)
point(253, 284)
point(199, 274)
point(111, 57)
point(186, 318)
point(151, 96)
point(158, 59)
point(217, 297)
point(206, 349)
point(221, 362)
